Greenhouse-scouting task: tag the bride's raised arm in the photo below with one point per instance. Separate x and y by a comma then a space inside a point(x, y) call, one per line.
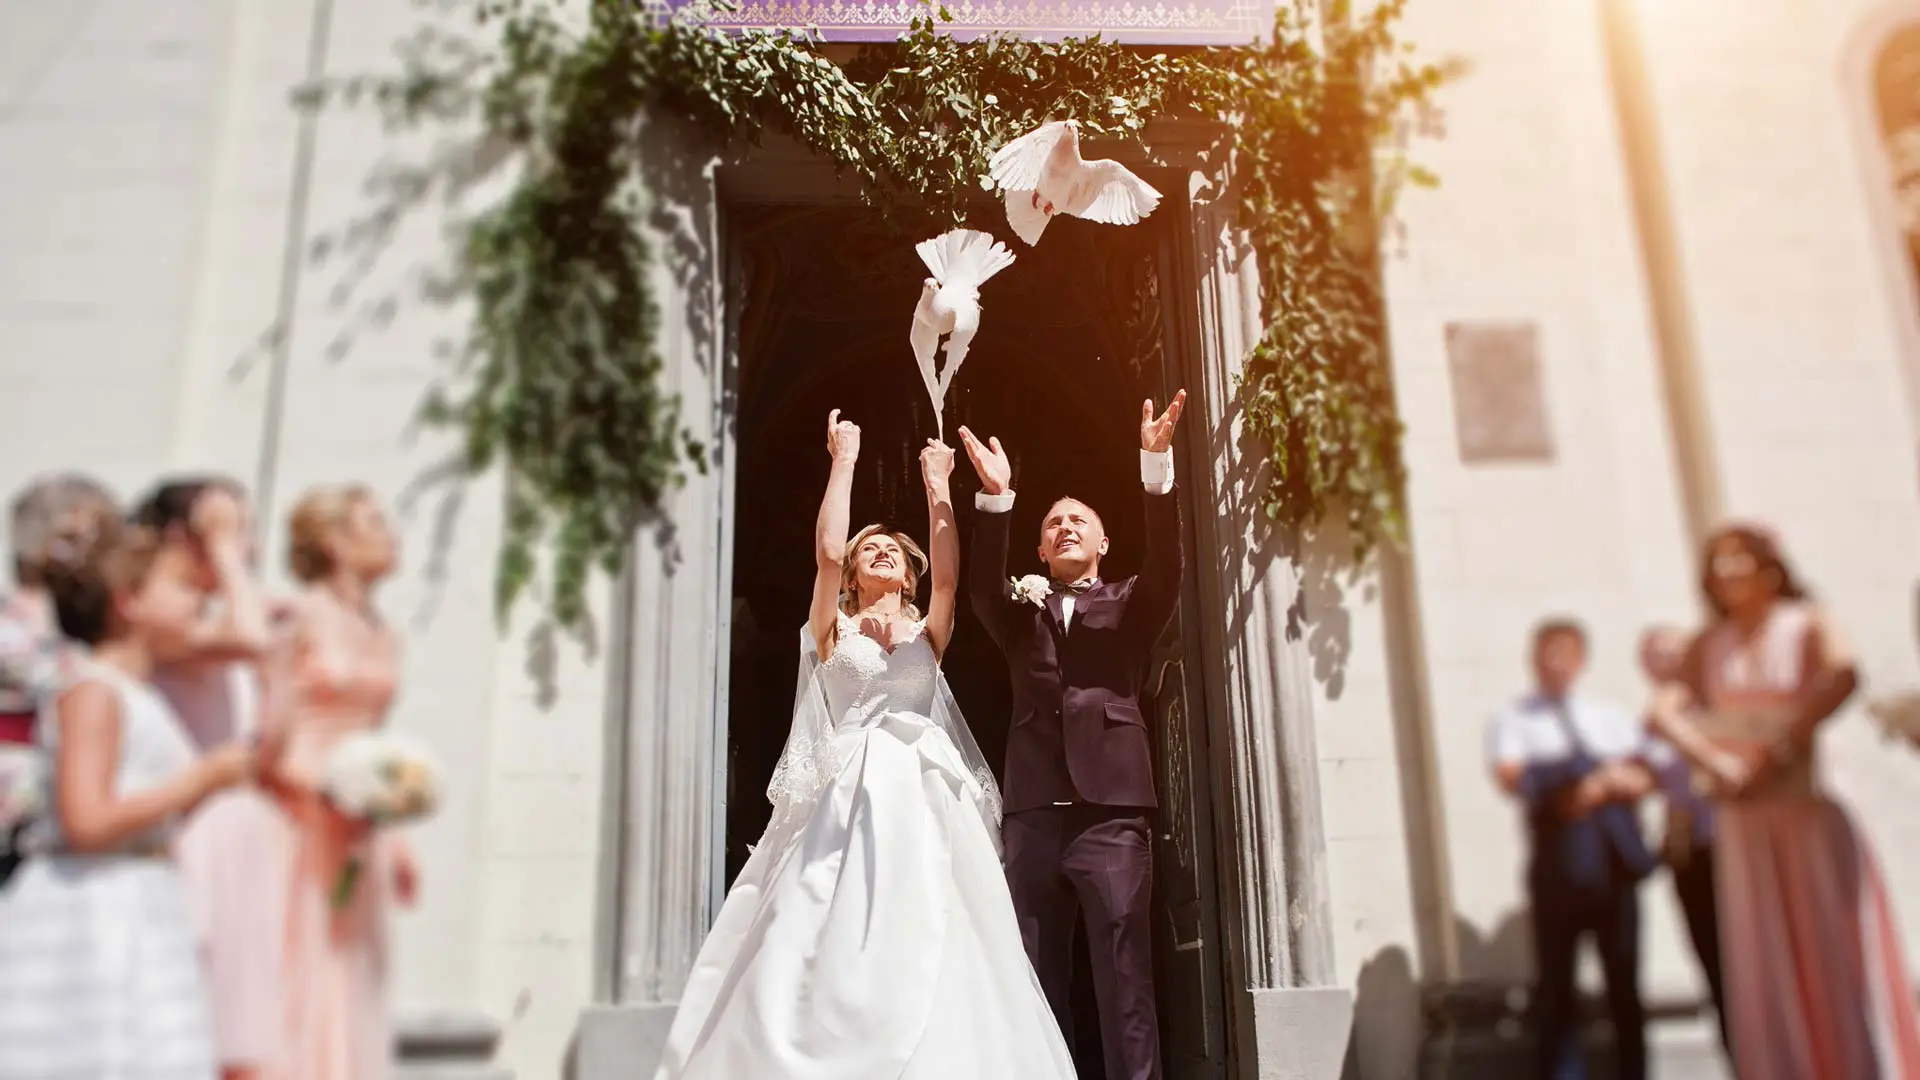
point(830, 534)
point(943, 542)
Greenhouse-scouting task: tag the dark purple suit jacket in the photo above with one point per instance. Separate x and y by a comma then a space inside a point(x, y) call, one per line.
point(1078, 732)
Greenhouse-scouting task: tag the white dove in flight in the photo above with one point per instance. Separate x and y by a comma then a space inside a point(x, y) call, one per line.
point(1043, 175)
point(950, 304)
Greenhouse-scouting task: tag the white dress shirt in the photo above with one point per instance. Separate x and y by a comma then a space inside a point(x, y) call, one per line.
point(1156, 475)
point(1529, 732)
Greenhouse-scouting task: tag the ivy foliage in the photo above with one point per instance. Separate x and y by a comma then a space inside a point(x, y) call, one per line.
point(562, 375)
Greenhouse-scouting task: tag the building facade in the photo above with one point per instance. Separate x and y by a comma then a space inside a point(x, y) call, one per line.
point(1666, 280)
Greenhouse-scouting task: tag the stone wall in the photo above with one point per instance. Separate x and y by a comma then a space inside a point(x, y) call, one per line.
point(152, 277)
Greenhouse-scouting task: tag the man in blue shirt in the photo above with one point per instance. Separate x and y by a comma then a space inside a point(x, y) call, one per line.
point(1576, 767)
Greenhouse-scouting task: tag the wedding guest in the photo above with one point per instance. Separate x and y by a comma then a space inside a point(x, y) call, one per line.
point(236, 851)
point(1689, 838)
point(1573, 762)
point(52, 510)
point(101, 979)
point(346, 669)
point(1817, 985)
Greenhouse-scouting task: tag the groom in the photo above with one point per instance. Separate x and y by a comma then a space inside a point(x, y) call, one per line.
point(1079, 776)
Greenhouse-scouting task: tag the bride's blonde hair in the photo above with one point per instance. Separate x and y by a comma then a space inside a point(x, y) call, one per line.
point(916, 565)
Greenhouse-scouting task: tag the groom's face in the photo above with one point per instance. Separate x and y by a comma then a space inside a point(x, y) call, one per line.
point(1072, 540)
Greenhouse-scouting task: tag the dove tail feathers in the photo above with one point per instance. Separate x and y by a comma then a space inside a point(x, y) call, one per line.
point(1027, 220)
point(964, 256)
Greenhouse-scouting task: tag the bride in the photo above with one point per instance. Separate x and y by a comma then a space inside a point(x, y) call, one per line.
point(870, 934)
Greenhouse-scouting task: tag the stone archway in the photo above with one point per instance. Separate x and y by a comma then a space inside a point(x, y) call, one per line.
point(1241, 678)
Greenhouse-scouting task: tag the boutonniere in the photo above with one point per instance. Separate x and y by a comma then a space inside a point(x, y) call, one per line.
point(1032, 589)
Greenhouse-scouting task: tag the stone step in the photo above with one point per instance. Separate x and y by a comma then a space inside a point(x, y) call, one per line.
point(1686, 1050)
point(449, 1071)
point(1681, 1048)
point(446, 1044)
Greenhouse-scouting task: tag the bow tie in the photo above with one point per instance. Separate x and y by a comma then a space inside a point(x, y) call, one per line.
point(1077, 587)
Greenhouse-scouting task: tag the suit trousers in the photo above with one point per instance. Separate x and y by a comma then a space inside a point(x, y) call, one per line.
point(1693, 886)
point(1096, 861)
point(1561, 917)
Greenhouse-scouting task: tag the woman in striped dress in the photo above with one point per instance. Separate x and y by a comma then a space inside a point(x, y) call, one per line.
point(99, 977)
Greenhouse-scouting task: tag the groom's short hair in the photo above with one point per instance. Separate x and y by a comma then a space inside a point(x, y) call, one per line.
point(1077, 501)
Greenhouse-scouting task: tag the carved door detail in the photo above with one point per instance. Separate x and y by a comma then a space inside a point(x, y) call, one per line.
point(1188, 960)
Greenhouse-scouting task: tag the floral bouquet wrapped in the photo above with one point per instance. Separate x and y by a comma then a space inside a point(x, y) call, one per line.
point(381, 779)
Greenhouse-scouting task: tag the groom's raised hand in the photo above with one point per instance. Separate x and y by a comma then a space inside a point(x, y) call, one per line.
point(990, 462)
point(1156, 436)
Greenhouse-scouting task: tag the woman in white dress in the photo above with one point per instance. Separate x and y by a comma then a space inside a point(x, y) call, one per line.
point(99, 977)
point(870, 935)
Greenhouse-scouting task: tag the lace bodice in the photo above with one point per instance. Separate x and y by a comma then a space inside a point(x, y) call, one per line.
point(863, 680)
point(864, 692)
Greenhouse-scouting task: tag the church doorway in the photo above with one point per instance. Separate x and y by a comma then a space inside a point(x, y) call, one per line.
point(1074, 337)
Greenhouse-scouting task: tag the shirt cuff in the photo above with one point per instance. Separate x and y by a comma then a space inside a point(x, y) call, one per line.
point(1156, 471)
point(993, 504)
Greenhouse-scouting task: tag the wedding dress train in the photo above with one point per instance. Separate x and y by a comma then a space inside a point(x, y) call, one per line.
point(870, 934)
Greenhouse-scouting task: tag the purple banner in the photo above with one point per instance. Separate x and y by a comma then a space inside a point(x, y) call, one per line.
point(1182, 22)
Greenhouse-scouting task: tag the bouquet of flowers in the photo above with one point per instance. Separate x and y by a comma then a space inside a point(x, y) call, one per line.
point(379, 778)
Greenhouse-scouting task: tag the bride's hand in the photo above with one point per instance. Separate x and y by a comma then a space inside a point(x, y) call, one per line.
point(936, 464)
point(843, 438)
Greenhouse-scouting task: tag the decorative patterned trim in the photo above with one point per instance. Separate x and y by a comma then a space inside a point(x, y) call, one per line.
point(1232, 22)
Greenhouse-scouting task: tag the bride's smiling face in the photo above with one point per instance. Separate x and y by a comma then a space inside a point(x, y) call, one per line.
point(879, 565)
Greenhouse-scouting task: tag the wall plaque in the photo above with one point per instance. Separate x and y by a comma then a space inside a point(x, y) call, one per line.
point(1130, 22)
point(1499, 393)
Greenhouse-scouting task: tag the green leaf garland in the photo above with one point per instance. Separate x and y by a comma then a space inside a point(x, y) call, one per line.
point(561, 382)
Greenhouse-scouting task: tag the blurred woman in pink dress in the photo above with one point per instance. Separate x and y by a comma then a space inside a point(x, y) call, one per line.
point(1817, 986)
point(346, 667)
point(236, 851)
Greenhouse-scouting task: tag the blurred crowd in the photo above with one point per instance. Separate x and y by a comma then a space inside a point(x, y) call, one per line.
point(1781, 894)
point(180, 897)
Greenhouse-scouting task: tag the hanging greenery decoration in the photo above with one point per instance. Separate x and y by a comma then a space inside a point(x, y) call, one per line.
point(561, 384)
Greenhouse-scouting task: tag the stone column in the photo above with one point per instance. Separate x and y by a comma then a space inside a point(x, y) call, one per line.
point(667, 732)
point(1293, 1017)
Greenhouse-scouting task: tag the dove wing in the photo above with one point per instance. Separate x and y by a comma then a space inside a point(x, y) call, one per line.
point(989, 257)
point(957, 345)
point(1025, 219)
point(972, 257)
point(925, 338)
point(1115, 195)
point(934, 254)
point(1019, 165)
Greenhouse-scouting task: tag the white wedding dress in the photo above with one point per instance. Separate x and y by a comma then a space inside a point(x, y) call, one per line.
point(870, 935)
